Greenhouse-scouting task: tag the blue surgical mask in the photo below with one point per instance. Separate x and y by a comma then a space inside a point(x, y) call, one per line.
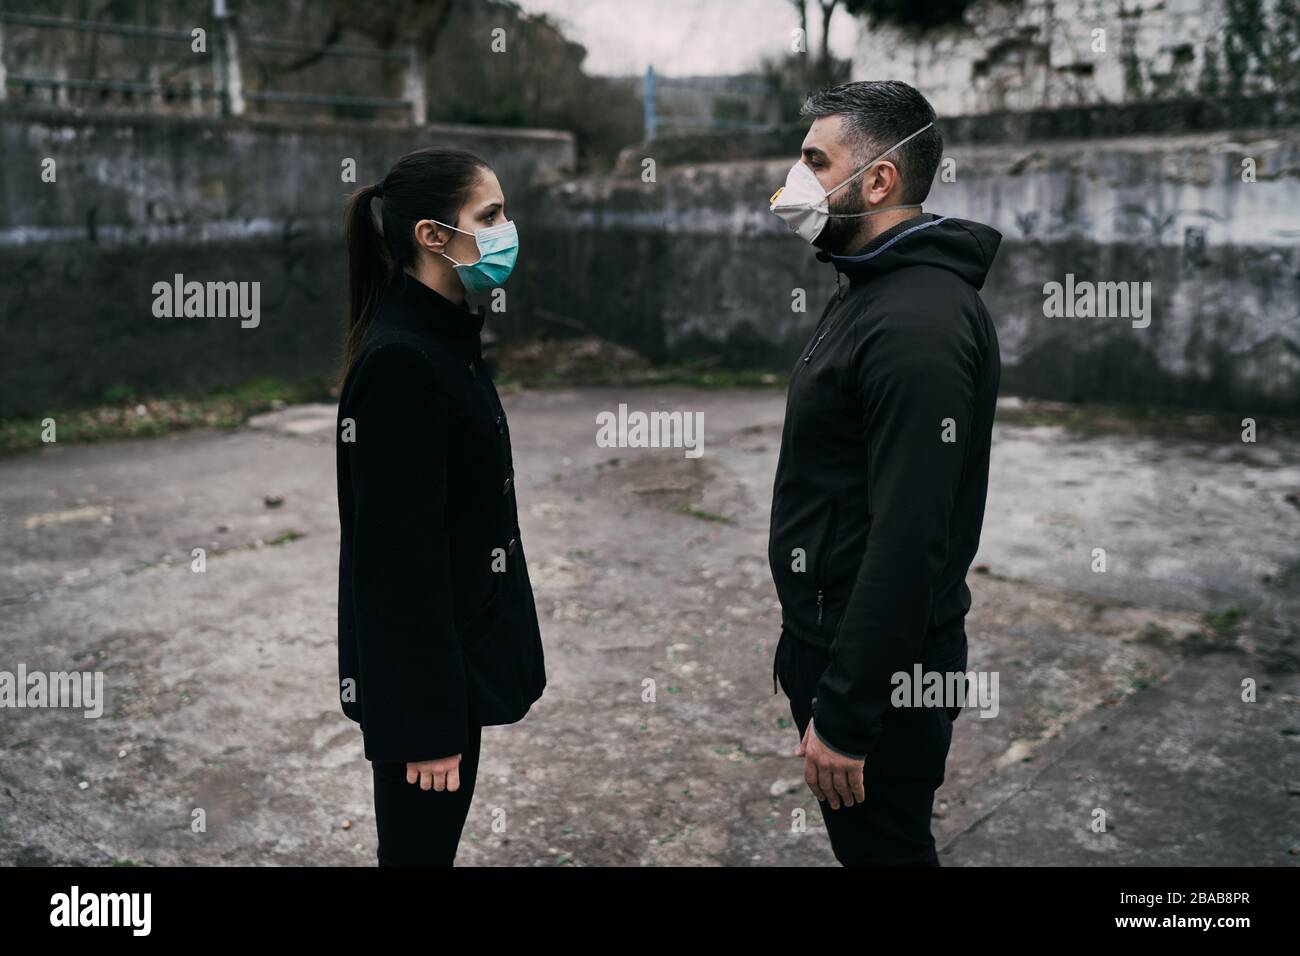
point(498, 247)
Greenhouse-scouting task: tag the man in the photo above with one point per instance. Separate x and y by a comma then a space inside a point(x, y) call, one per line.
point(881, 480)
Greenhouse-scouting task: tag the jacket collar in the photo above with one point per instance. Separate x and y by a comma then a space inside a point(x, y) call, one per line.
point(852, 265)
point(426, 311)
point(961, 246)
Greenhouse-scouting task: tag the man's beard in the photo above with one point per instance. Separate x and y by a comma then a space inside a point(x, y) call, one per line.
point(839, 236)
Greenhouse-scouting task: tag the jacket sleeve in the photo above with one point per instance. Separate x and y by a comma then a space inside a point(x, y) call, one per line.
point(913, 373)
point(412, 688)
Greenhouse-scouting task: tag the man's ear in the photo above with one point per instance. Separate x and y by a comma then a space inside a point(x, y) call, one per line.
point(879, 182)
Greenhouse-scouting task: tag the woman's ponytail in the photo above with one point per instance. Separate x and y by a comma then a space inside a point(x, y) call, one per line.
point(369, 268)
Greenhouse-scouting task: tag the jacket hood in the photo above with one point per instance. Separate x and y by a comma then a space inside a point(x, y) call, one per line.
point(958, 245)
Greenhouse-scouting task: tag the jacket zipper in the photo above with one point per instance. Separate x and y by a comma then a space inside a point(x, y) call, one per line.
point(839, 294)
point(821, 564)
point(818, 342)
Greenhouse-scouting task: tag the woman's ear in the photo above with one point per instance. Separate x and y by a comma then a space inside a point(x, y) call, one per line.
point(430, 236)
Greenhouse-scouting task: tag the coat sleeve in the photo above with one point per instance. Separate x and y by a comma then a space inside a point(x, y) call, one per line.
point(412, 687)
point(916, 385)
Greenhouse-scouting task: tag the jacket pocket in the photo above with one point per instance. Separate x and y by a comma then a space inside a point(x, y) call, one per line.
point(478, 623)
point(504, 660)
point(949, 657)
point(823, 560)
point(776, 663)
point(481, 621)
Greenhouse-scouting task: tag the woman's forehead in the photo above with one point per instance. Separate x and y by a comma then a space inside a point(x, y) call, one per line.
point(487, 190)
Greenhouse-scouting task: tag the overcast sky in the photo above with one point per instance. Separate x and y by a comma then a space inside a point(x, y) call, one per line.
point(688, 37)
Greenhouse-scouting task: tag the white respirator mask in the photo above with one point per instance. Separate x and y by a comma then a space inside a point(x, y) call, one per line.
point(805, 208)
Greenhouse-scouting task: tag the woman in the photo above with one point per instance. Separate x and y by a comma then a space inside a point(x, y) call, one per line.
point(438, 632)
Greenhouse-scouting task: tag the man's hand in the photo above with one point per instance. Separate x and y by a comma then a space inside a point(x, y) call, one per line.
point(829, 775)
point(440, 774)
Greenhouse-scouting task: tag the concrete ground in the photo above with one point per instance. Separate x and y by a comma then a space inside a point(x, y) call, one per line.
point(1121, 692)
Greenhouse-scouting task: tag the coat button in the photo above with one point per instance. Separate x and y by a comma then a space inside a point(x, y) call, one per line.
point(510, 480)
point(510, 548)
point(473, 372)
point(501, 424)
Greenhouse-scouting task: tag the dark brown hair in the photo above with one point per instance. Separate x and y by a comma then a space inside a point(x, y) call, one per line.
point(426, 184)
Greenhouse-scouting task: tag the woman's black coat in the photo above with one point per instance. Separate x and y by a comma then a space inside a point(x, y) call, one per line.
point(437, 626)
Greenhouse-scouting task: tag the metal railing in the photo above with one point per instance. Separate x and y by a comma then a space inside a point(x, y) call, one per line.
point(754, 95)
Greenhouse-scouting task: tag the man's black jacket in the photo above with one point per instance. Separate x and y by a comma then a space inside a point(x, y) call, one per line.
point(880, 485)
point(437, 626)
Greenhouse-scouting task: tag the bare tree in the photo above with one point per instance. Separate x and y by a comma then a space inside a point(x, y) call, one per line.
point(802, 7)
point(380, 23)
point(825, 67)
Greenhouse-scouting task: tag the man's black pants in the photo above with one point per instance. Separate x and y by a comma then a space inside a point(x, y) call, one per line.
point(892, 828)
point(422, 827)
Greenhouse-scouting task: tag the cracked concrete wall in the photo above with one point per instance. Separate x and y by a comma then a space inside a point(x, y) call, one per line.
point(138, 199)
point(1043, 53)
point(695, 266)
point(692, 267)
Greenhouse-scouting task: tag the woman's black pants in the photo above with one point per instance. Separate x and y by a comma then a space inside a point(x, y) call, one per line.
point(422, 827)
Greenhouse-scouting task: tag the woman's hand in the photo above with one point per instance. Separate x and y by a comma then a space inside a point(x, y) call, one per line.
point(440, 774)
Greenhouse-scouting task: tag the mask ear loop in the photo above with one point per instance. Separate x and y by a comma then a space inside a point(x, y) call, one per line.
point(868, 166)
point(873, 212)
point(450, 226)
point(462, 231)
point(859, 215)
